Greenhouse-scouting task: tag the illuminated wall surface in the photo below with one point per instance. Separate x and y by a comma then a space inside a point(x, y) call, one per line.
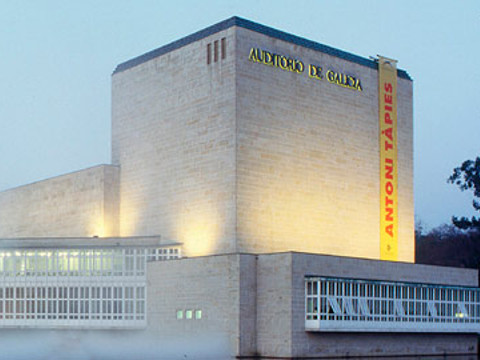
point(237, 155)
point(239, 138)
point(79, 204)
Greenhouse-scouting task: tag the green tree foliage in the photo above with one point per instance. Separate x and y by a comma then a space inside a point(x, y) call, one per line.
point(467, 177)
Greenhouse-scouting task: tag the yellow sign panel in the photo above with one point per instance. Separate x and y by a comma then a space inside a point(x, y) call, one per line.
point(387, 94)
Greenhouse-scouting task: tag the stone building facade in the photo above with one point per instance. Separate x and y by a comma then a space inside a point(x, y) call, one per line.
point(249, 158)
point(243, 156)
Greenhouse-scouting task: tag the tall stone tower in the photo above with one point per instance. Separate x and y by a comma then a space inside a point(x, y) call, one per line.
point(241, 138)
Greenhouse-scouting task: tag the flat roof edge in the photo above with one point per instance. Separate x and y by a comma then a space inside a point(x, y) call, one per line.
point(262, 29)
point(54, 177)
point(176, 44)
point(85, 242)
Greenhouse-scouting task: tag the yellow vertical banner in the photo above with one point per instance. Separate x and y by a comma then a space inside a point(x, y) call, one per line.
point(387, 96)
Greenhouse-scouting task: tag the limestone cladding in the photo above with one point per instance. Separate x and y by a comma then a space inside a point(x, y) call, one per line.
point(240, 156)
point(173, 133)
point(223, 288)
point(257, 304)
point(308, 156)
point(274, 305)
point(79, 204)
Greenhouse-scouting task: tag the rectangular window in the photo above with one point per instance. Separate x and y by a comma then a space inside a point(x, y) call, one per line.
point(376, 304)
point(76, 284)
point(209, 53)
point(224, 48)
point(215, 51)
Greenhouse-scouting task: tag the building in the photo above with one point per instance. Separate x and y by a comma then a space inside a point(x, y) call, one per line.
point(276, 175)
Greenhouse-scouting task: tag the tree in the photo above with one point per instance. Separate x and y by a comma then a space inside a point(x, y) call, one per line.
point(446, 245)
point(467, 177)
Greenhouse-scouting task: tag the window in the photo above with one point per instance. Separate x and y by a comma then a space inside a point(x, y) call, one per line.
point(106, 287)
point(219, 50)
point(209, 53)
point(215, 51)
point(189, 314)
point(331, 303)
point(224, 48)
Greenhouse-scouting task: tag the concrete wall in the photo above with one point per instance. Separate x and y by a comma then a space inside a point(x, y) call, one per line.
point(248, 305)
point(83, 203)
point(308, 156)
point(274, 305)
point(387, 344)
point(354, 268)
point(222, 287)
point(173, 133)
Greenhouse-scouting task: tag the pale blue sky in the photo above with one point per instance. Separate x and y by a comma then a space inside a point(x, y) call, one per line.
point(56, 59)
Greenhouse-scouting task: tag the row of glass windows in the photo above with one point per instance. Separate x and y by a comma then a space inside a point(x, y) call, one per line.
point(67, 286)
point(189, 314)
point(345, 299)
point(80, 262)
point(73, 303)
point(345, 287)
